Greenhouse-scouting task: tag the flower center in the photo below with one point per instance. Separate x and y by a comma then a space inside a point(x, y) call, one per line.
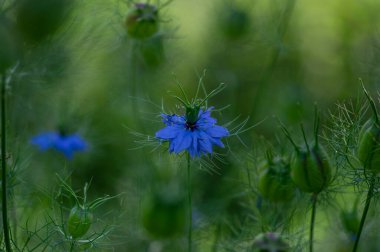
point(191, 126)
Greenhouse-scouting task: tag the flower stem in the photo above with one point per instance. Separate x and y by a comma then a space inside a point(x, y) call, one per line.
point(312, 221)
point(189, 235)
point(364, 215)
point(4, 168)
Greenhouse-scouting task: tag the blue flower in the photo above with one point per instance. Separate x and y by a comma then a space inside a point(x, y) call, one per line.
point(67, 144)
point(197, 136)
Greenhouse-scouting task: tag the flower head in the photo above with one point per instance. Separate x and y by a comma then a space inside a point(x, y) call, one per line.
point(196, 131)
point(142, 21)
point(67, 144)
point(271, 242)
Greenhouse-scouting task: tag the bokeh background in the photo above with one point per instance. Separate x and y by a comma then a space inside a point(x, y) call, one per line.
point(277, 58)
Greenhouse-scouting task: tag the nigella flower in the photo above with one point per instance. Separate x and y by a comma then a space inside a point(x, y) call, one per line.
point(195, 132)
point(67, 144)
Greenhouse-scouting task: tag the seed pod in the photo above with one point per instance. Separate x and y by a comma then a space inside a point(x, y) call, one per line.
point(269, 242)
point(142, 21)
point(234, 22)
point(9, 49)
point(80, 220)
point(310, 169)
point(38, 19)
point(274, 182)
point(369, 146)
point(163, 216)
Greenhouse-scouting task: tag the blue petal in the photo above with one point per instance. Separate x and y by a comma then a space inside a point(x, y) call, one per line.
point(45, 140)
point(217, 131)
point(217, 142)
point(63, 145)
point(168, 132)
point(182, 141)
point(206, 145)
point(67, 144)
point(76, 143)
point(172, 119)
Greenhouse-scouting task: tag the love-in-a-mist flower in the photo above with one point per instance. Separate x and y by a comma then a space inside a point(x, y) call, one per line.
point(66, 144)
point(195, 131)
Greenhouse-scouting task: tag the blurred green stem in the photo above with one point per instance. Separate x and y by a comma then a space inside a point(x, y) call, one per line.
point(268, 73)
point(189, 235)
point(364, 215)
point(312, 222)
point(72, 246)
point(4, 203)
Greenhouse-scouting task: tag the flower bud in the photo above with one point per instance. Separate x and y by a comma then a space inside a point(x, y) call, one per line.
point(38, 19)
point(163, 216)
point(310, 169)
point(269, 242)
point(80, 220)
point(234, 22)
point(274, 182)
point(369, 146)
point(142, 21)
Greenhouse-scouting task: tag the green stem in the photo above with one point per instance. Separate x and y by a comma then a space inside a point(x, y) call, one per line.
point(189, 235)
point(72, 246)
point(268, 73)
point(312, 221)
point(4, 168)
point(364, 215)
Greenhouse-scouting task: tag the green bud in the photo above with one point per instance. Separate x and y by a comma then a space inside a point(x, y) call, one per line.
point(192, 113)
point(38, 19)
point(274, 182)
point(142, 21)
point(269, 242)
point(163, 216)
point(80, 220)
point(310, 169)
point(369, 146)
point(234, 22)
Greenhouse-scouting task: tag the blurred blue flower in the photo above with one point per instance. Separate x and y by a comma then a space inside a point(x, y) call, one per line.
point(196, 136)
point(67, 144)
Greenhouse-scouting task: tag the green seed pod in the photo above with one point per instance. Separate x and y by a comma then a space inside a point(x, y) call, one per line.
point(275, 183)
point(142, 21)
point(369, 146)
point(269, 242)
point(38, 19)
point(310, 169)
point(234, 22)
point(163, 216)
point(9, 49)
point(80, 220)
